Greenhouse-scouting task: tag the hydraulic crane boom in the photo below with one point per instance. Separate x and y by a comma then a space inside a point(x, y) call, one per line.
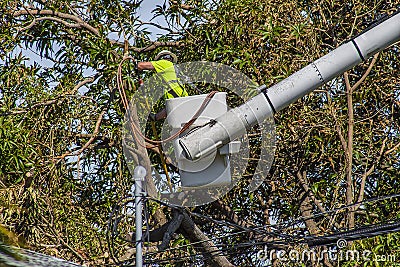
point(235, 122)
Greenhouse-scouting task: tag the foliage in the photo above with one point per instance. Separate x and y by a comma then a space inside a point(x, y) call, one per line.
point(57, 193)
point(316, 135)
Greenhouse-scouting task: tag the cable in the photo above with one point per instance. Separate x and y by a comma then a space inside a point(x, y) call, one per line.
point(375, 199)
point(210, 255)
point(244, 231)
point(147, 218)
point(290, 239)
point(256, 229)
point(195, 243)
point(283, 225)
point(356, 234)
point(112, 227)
point(296, 239)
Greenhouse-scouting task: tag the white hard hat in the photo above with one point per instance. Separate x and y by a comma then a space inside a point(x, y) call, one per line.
point(166, 53)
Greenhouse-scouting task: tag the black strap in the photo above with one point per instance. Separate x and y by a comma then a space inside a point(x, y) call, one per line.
point(358, 49)
point(265, 92)
point(172, 81)
point(173, 93)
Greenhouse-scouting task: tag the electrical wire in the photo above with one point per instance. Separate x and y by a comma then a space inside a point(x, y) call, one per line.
point(385, 228)
point(282, 225)
point(222, 251)
point(112, 226)
point(226, 250)
point(355, 234)
point(370, 200)
point(262, 231)
point(147, 218)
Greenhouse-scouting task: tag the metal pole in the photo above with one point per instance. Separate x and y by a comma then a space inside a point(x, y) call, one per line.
point(139, 174)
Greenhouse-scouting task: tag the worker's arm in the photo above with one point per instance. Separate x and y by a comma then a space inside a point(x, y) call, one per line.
point(145, 66)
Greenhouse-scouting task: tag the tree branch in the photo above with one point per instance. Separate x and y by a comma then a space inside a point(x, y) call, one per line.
point(371, 65)
point(92, 138)
point(57, 16)
point(82, 83)
point(144, 160)
point(305, 209)
point(194, 234)
point(349, 151)
point(157, 26)
point(368, 173)
point(155, 45)
point(230, 214)
point(56, 236)
point(393, 148)
point(180, 5)
point(173, 225)
point(44, 103)
point(81, 24)
point(304, 184)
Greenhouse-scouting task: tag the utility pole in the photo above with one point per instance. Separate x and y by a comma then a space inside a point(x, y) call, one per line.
point(139, 174)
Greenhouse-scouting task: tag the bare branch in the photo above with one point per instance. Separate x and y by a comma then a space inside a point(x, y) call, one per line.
point(231, 215)
point(95, 132)
point(173, 226)
point(57, 16)
point(180, 5)
point(393, 149)
point(35, 20)
point(44, 103)
point(81, 24)
point(155, 45)
point(56, 236)
point(82, 83)
point(92, 138)
point(371, 65)
point(349, 150)
point(368, 173)
point(194, 234)
point(144, 160)
point(157, 26)
point(306, 211)
point(168, 160)
point(307, 189)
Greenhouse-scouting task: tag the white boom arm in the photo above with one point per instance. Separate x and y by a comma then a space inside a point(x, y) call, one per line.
point(235, 122)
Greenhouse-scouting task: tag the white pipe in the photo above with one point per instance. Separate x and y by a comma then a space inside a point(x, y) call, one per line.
point(237, 121)
point(138, 174)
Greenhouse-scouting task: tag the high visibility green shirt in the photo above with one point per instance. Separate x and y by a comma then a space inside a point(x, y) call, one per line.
point(167, 71)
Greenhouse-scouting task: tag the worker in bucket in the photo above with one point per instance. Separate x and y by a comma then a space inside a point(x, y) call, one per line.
point(164, 64)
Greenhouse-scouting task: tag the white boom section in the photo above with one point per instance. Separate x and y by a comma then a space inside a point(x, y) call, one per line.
point(235, 122)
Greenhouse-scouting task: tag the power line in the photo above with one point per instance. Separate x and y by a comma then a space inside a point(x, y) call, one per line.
point(282, 225)
point(370, 200)
point(222, 251)
point(353, 234)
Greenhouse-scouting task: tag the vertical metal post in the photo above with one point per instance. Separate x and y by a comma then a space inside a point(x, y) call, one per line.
point(139, 174)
